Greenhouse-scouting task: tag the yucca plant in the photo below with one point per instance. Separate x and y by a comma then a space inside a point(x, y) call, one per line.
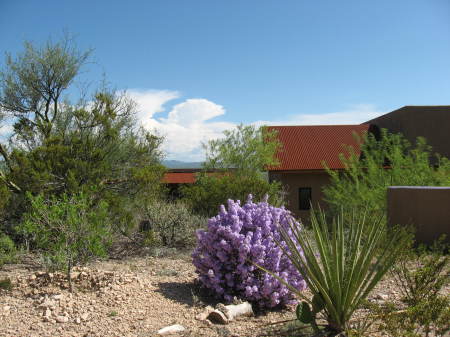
point(341, 262)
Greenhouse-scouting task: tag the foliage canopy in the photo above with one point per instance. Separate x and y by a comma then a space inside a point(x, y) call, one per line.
point(388, 161)
point(92, 146)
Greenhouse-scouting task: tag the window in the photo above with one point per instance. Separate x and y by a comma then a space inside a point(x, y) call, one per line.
point(304, 198)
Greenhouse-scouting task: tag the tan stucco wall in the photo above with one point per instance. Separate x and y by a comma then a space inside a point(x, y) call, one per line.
point(292, 181)
point(426, 208)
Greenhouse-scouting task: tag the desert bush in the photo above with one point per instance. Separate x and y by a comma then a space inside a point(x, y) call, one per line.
point(170, 224)
point(64, 144)
point(237, 238)
point(68, 231)
point(421, 274)
point(339, 267)
point(426, 318)
point(8, 250)
point(211, 191)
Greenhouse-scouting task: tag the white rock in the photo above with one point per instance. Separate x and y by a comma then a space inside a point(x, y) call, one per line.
point(47, 304)
point(84, 316)
point(171, 329)
point(6, 308)
point(58, 297)
point(62, 319)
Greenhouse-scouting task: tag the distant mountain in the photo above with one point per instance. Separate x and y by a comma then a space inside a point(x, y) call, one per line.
point(176, 164)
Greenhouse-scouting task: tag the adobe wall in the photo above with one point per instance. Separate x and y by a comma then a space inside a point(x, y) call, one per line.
point(433, 123)
point(292, 181)
point(427, 208)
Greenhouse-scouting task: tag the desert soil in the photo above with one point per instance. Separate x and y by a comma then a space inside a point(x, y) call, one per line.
point(128, 297)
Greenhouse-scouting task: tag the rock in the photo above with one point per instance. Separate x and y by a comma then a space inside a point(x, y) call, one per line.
point(204, 315)
point(47, 304)
point(171, 329)
point(74, 275)
point(381, 296)
point(62, 319)
point(47, 313)
point(78, 320)
point(84, 317)
point(6, 308)
point(58, 297)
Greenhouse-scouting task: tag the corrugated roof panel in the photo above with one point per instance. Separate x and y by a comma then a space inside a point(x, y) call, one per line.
point(307, 147)
point(179, 178)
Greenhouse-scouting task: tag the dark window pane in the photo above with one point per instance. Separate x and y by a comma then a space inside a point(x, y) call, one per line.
point(304, 198)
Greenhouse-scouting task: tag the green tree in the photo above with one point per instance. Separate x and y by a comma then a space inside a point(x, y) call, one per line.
point(389, 161)
point(69, 230)
point(32, 85)
point(246, 149)
point(93, 146)
point(239, 161)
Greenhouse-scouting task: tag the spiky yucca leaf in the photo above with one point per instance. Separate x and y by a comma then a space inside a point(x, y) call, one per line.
point(343, 261)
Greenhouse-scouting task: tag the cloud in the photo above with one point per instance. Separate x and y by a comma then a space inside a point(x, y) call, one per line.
point(187, 125)
point(355, 114)
point(150, 102)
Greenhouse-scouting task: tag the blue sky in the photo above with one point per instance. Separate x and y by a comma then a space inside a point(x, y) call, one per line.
point(199, 67)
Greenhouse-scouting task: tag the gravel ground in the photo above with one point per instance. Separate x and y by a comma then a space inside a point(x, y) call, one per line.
point(128, 297)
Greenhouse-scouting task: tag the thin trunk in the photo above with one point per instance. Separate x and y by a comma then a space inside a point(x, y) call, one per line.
point(69, 276)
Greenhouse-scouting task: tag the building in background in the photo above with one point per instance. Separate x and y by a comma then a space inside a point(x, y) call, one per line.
point(306, 149)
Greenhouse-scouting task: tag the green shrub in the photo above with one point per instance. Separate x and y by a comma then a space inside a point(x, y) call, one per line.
point(211, 191)
point(170, 224)
point(366, 177)
point(8, 250)
point(420, 275)
point(340, 268)
point(68, 231)
point(422, 272)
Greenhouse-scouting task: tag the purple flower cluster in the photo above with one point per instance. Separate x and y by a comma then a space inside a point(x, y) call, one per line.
point(236, 237)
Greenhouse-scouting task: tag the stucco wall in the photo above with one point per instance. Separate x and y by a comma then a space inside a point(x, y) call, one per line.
point(426, 208)
point(292, 181)
point(431, 122)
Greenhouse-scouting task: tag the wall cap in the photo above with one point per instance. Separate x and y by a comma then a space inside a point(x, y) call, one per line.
point(421, 187)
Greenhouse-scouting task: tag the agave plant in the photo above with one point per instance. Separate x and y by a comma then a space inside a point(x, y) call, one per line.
point(341, 262)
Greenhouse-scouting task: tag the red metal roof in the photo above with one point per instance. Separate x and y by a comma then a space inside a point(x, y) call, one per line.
point(307, 147)
point(179, 177)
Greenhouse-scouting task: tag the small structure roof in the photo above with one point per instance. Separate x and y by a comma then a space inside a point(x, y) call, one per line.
point(179, 177)
point(307, 147)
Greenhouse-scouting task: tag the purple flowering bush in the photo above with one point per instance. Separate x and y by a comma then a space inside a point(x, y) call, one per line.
point(234, 239)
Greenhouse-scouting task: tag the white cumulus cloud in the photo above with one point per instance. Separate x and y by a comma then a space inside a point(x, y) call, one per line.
point(187, 124)
point(150, 102)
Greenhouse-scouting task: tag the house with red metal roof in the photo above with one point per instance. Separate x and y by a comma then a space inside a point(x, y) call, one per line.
point(306, 149)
